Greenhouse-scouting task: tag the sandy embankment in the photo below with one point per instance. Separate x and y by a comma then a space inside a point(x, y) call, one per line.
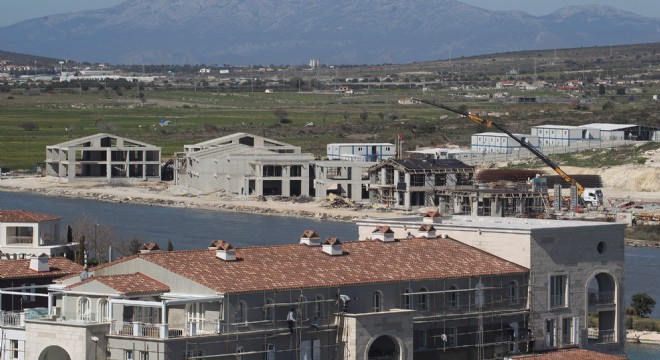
point(161, 194)
point(644, 337)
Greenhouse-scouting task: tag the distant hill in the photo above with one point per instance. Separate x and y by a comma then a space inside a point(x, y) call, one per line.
point(293, 31)
point(25, 59)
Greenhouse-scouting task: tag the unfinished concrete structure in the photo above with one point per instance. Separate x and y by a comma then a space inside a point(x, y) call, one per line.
point(413, 183)
point(245, 164)
point(104, 157)
point(349, 179)
point(576, 271)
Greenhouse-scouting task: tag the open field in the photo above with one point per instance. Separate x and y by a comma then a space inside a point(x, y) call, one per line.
point(197, 116)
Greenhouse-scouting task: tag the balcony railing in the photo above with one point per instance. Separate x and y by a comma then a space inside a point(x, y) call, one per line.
point(19, 240)
point(13, 319)
point(164, 331)
point(601, 336)
point(600, 298)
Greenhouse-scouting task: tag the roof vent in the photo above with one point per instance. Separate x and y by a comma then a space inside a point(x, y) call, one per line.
point(383, 233)
point(432, 217)
point(310, 238)
point(427, 231)
point(225, 251)
point(148, 247)
point(39, 263)
point(444, 235)
point(332, 246)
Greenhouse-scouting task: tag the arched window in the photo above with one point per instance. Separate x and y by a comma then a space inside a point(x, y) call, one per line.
point(376, 302)
point(453, 296)
point(84, 313)
point(422, 299)
point(241, 312)
point(406, 299)
point(104, 310)
point(513, 292)
point(318, 306)
point(302, 307)
point(269, 310)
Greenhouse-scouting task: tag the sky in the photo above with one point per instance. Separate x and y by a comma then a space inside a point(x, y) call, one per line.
point(13, 11)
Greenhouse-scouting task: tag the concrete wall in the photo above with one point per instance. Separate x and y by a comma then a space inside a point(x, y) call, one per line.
point(75, 339)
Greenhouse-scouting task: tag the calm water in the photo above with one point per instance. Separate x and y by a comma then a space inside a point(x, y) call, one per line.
point(195, 229)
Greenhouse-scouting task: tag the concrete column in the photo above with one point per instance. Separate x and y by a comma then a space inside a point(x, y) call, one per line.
point(108, 164)
point(496, 208)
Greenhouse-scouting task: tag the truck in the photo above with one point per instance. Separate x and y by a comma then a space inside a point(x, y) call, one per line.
point(597, 194)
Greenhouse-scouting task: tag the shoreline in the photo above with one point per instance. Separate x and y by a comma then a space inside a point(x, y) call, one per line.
point(643, 337)
point(159, 194)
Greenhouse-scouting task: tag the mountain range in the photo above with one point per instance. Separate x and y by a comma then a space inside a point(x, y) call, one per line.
point(252, 32)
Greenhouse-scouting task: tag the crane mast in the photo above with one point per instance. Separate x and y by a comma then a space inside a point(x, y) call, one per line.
point(533, 150)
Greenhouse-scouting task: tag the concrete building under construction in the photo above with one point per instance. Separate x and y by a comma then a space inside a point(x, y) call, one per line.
point(450, 186)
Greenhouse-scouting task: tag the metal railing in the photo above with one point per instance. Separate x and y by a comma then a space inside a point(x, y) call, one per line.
point(601, 336)
point(14, 240)
point(601, 297)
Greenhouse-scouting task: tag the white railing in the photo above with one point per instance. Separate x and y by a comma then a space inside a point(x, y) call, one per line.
point(10, 318)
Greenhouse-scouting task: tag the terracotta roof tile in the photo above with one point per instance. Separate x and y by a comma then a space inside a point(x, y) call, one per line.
point(570, 354)
point(150, 246)
point(130, 284)
point(19, 269)
point(297, 266)
point(332, 241)
point(432, 214)
point(426, 227)
point(309, 234)
point(383, 230)
point(23, 216)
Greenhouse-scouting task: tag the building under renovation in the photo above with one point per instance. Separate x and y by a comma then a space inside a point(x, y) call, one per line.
point(245, 164)
point(576, 282)
point(103, 157)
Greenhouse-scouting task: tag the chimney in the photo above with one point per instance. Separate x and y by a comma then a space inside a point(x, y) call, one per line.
point(332, 246)
point(39, 263)
point(427, 231)
point(432, 217)
point(149, 247)
point(383, 233)
point(310, 238)
point(224, 250)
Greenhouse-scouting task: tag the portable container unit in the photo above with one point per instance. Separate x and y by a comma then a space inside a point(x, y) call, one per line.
point(361, 151)
point(499, 143)
point(558, 135)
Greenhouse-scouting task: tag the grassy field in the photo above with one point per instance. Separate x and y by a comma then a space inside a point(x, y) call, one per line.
point(28, 123)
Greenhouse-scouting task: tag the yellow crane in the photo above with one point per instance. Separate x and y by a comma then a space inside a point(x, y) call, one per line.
point(533, 150)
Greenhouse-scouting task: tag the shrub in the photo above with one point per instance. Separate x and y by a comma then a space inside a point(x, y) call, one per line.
point(645, 325)
point(29, 126)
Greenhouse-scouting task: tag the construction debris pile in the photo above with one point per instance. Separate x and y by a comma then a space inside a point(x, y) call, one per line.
point(645, 212)
point(335, 201)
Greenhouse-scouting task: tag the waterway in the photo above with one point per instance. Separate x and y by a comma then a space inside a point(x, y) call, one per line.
point(195, 229)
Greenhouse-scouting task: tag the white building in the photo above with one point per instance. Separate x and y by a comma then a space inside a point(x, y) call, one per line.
point(576, 267)
point(245, 164)
point(25, 233)
point(500, 143)
point(563, 135)
point(361, 151)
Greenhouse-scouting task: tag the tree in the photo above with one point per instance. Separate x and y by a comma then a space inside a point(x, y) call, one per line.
point(346, 114)
point(364, 115)
point(281, 115)
point(170, 246)
point(134, 246)
point(643, 304)
point(609, 105)
point(601, 89)
point(69, 234)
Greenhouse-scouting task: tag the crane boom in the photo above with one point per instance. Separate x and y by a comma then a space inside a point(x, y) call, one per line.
point(533, 150)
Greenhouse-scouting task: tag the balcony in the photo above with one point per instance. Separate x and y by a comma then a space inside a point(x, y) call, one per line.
point(19, 240)
point(601, 336)
point(12, 319)
point(601, 298)
point(165, 331)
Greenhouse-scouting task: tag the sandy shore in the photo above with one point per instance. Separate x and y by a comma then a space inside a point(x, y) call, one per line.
point(163, 194)
point(644, 337)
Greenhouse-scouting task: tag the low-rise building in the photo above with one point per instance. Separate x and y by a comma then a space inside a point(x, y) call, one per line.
point(245, 164)
point(500, 143)
point(24, 234)
point(103, 157)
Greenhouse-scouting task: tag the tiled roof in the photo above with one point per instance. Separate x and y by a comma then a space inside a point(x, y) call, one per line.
point(20, 269)
point(23, 216)
point(130, 284)
point(570, 354)
point(300, 266)
point(150, 246)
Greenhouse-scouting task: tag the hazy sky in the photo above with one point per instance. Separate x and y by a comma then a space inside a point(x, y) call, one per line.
point(12, 11)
